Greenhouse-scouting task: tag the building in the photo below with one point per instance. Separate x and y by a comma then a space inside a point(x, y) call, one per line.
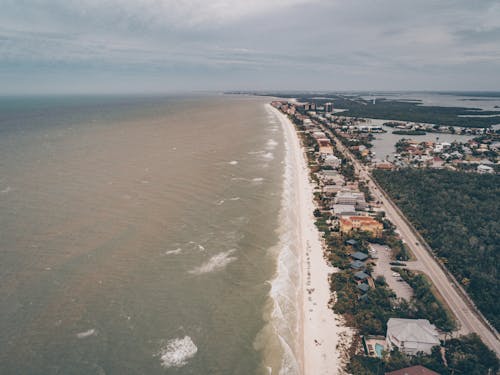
point(357, 265)
point(361, 223)
point(384, 165)
point(319, 135)
point(328, 107)
point(332, 161)
point(349, 197)
point(330, 190)
point(361, 276)
point(363, 287)
point(414, 370)
point(325, 147)
point(331, 177)
point(484, 169)
point(358, 255)
point(411, 336)
point(340, 209)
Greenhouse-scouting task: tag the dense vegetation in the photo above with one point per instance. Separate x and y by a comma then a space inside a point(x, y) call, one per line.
point(459, 215)
point(402, 110)
point(409, 132)
point(414, 111)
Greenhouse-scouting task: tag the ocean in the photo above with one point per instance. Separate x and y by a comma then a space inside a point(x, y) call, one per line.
point(145, 235)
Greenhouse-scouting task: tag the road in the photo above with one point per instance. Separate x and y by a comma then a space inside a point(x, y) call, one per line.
point(468, 317)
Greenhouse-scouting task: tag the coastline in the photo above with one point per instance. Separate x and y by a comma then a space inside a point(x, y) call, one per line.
point(319, 330)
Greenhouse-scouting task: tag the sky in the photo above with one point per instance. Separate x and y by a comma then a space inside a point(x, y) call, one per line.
point(151, 46)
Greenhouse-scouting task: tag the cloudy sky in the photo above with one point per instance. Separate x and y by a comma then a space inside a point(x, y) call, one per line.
point(181, 45)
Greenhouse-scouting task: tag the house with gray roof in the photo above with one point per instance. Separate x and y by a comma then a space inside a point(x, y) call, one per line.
point(357, 265)
point(358, 255)
point(411, 336)
point(360, 275)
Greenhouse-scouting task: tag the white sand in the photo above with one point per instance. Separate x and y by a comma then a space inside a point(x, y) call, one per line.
point(321, 328)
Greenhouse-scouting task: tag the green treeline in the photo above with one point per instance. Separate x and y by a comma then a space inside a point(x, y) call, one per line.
point(409, 132)
point(459, 216)
point(409, 111)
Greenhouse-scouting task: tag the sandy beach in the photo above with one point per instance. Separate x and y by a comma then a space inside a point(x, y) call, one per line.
point(321, 330)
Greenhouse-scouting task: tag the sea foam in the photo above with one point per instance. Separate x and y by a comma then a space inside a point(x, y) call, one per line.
point(215, 263)
point(271, 144)
point(90, 332)
point(173, 252)
point(177, 352)
point(283, 319)
point(268, 156)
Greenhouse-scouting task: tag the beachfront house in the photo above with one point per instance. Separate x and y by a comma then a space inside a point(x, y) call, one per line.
point(357, 265)
point(331, 190)
point(363, 287)
point(329, 177)
point(349, 197)
point(341, 209)
point(358, 255)
point(411, 336)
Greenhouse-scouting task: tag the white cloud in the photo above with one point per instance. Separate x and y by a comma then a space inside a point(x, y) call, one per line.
point(257, 42)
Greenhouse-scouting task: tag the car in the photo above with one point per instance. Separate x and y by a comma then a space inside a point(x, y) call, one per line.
point(395, 274)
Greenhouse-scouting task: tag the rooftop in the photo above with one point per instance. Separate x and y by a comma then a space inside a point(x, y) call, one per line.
point(358, 255)
point(361, 275)
point(357, 264)
point(412, 330)
point(364, 287)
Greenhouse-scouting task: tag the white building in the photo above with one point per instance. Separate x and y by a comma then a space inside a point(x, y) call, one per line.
point(484, 169)
point(332, 161)
point(411, 336)
point(349, 197)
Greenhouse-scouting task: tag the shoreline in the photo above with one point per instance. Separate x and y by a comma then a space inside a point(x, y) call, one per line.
point(319, 330)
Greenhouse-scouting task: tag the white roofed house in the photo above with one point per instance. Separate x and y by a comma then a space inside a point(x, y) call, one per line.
point(349, 197)
point(485, 169)
point(332, 161)
point(319, 135)
point(411, 336)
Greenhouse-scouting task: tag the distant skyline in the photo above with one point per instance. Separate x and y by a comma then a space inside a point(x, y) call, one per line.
point(152, 46)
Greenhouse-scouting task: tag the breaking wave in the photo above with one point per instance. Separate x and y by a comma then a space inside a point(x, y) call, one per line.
point(90, 332)
point(173, 252)
point(177, 352)
point(282, 329)
point(271, 144)
point(215, 263)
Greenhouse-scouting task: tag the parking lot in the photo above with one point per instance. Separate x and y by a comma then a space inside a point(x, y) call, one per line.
point(383, 268)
